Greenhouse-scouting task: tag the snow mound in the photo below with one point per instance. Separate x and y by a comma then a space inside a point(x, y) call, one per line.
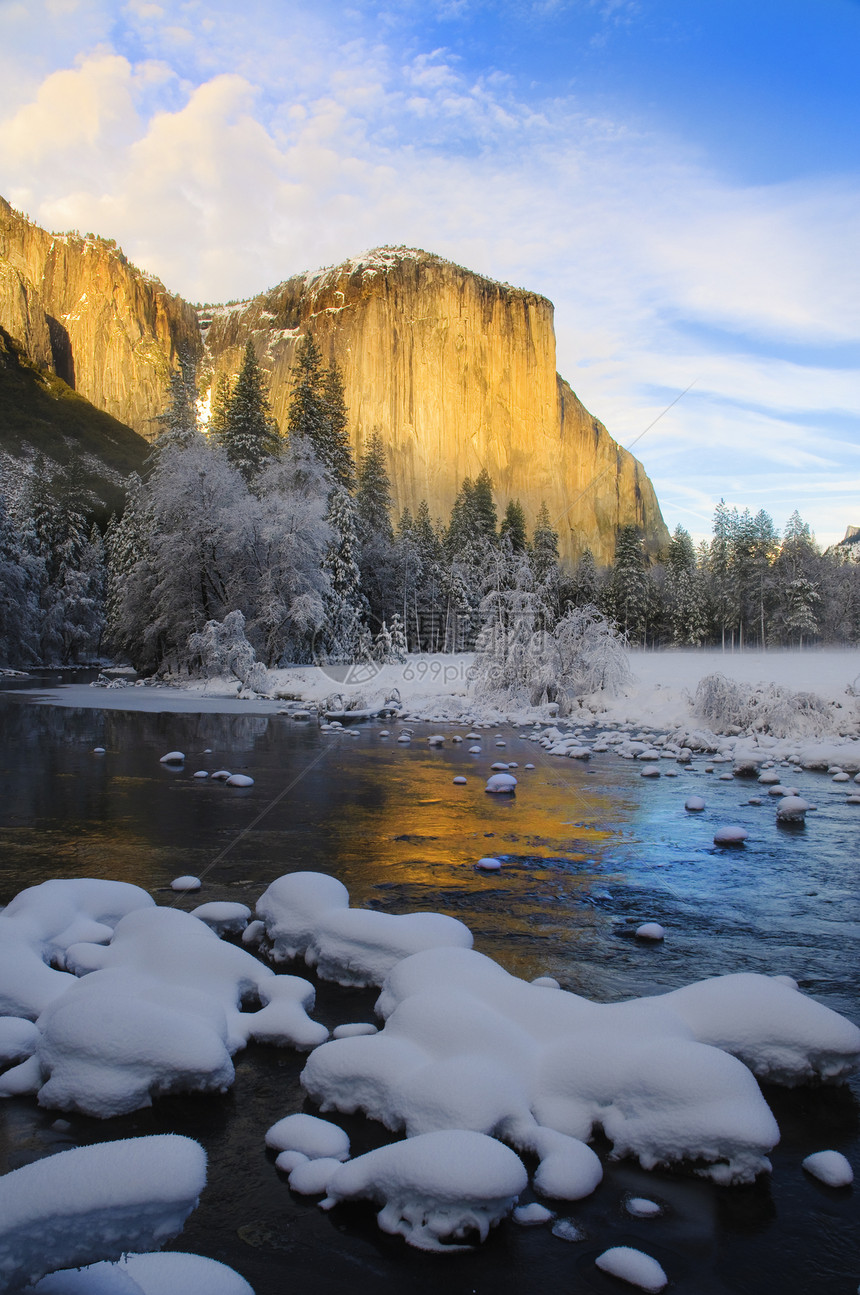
point(830, 1167)
point(223, 917)
point(792, 809)
point(650, 931)
point(158, 1010)
point(41, 922)
point(731, 835)
point(435, 1190)
point(186, 883)
point(634, 1267)
point(466, 1045)
point(173, 757)
point(313, 1137)
point(239, 780)
point(502, 784)
point(694, 804)
point(781, 1034)
point(94, 1203)
point(307, 914)
point(174, 1273)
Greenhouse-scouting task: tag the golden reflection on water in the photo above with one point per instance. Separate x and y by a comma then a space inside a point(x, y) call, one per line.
point(413, 844)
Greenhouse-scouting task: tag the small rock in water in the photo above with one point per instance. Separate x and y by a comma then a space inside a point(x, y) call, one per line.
point(730, 836)
point(650, 931)
point(239, 780)
point(502, 784)
point(829, 1167)
point(98, 750)
point(650, 772)
point(459, 781)
point(754, 800)
point(791, 809)
point(499, 766)
point(489, 864)
point(474, 750)
point(173, 757)
point(567, 1230)
point(201, 773)
point(641, 1208)
point(694, 804)
point(841, 777)
point(383, 732)
point(186, 883)
point(529, 766)
point(221, 775)
point(634, 1267)
point(530, 1216)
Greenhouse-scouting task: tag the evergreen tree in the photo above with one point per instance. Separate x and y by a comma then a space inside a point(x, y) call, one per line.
point(544, 544)
point(373, 495)
point(461, 526)
point(178, 423)
point(376, 535)
point(399, 648)
point(345, 606)
point(18, 624)
point(337, 453)
point(485, 516)
point(249, 435)
point(584, 587)
point(318, 412)
point(513, 527)
point(220, 406)
point(626, 592)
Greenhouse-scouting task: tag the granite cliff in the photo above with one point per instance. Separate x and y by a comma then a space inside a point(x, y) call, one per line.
point(80, 309)
point(458, 373)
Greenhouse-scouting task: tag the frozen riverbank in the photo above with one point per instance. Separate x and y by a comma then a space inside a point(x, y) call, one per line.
point(440, 688)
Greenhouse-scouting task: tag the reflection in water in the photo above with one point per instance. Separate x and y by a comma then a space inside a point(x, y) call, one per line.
point(589, 851)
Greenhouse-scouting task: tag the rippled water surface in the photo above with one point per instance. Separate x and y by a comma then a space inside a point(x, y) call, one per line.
point(590, 850)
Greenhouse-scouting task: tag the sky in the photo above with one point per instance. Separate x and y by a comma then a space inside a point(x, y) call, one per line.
point(680, 177)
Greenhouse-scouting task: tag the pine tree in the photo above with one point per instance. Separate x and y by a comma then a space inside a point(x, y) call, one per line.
point(220, 407)
point(513, 527)
point(626, 592)
point(376, 535)
point(178, 423)
point(399, 649)
point(485, 515)
point(544, 544)
point(345, 630)
point(373, 495)
point(249, 435)
point(318, 412)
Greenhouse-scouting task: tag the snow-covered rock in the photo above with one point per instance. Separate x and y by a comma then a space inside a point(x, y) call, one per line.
point(730, 835)
point(223, 917)
point(307, 914)
point(39, 925)
point(158, 1273)
point(94, 1203)
point(792, 809)
point(650, 931)
point(634, 1267)
point(239, 780)
point(313, 1137)
point(186, 882)
point(158, 1010)
point(830, 1167)
point(504, 784)
point(435, 1190)
point(173, 757)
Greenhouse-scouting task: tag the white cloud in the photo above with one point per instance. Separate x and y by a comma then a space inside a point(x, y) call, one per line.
point(319, 142)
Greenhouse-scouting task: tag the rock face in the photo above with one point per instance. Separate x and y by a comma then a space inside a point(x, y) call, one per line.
point(78, 307)
point(458, 374)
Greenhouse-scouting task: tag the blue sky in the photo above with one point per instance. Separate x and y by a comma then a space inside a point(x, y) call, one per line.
point(680, 177)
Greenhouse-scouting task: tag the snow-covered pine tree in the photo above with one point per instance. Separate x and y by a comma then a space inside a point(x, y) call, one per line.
point(337, 453)
point(130, 575)
point(178, 423)
point(376, 535)
point(513, 527)
point(626, 591)
point(18, 631)
point(399, 648)
point(345, 605)
point(382, 645)
point(250, 435)
point(544, 544)
point(220, 406)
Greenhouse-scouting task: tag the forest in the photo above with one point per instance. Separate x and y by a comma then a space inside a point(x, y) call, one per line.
point(288, 530)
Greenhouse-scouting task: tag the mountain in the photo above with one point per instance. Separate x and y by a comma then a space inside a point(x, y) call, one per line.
point(455, 370)
point(458, 374)
point(40, 414)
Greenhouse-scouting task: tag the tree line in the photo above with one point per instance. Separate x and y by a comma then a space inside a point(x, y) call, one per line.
point(293, 533)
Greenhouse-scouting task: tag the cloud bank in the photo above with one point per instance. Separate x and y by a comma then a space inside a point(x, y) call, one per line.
point(227, 151)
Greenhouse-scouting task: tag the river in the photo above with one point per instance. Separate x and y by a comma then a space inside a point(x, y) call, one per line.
point(589, 850)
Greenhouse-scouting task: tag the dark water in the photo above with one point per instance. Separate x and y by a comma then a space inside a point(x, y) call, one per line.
point(590, 851)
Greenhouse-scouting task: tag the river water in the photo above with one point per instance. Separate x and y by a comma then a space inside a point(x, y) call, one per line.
point(590, 850)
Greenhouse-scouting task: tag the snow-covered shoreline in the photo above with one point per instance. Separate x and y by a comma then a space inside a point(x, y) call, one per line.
point(438, 688)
